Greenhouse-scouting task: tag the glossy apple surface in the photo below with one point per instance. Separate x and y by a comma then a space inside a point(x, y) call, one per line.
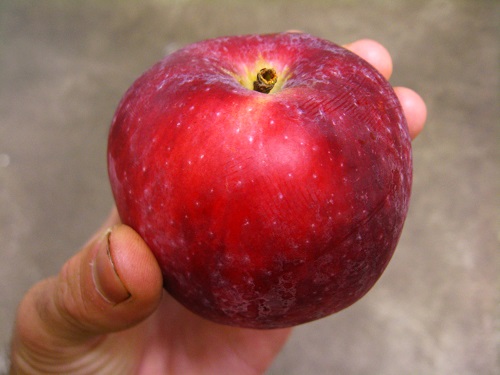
point(263, 210)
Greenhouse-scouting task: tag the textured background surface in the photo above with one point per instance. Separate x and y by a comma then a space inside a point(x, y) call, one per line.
point(64, 66)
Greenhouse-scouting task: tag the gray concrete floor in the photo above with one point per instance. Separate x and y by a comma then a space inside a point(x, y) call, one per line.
point(65, 64)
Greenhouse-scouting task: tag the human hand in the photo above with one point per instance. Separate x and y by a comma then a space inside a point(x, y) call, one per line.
point(107, 313)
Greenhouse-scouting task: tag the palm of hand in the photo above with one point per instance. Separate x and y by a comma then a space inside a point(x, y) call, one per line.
point(175, 341)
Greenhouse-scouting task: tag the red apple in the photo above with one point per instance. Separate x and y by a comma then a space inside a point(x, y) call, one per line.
point(263, 209)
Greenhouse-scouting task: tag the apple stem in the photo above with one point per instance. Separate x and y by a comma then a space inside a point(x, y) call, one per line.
point(266, 79)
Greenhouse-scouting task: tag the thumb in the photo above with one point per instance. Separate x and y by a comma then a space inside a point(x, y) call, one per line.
point(113, 283)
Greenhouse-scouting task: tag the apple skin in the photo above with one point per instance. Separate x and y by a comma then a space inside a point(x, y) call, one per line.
point(263, 210)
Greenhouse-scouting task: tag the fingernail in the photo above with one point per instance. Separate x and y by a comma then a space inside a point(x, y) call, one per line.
point(106, 279)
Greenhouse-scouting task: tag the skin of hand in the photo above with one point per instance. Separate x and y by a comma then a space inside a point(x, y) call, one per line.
point(107, 313)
